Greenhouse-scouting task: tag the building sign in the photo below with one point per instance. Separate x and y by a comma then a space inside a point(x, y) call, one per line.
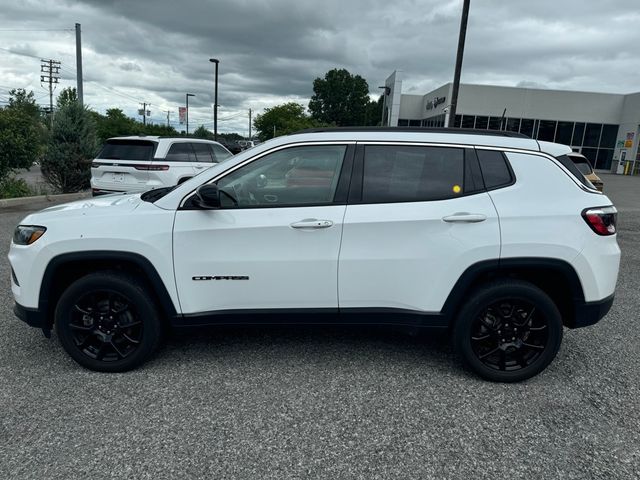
point(431, 104)
point(182, 114)
point(628, 143)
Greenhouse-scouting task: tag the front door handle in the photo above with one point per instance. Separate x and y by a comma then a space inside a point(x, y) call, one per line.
point(464, 217)
point(312, 223)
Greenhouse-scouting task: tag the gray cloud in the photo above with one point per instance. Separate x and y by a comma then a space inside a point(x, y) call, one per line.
point(270, 51)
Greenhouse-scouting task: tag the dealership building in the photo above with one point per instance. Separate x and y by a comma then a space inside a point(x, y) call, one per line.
point(602, 126)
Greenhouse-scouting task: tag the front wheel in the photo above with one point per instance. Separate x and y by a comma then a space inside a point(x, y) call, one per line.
point(508, 331)
point(106, 321)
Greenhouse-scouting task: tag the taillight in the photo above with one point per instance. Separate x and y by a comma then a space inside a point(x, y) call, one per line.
point(602, 220)
point(152, 168)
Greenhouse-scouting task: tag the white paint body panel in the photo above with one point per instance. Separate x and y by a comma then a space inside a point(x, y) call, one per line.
point(403, 255)
point(287, 267)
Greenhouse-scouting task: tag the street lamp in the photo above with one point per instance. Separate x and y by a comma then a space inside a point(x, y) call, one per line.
point(187, 102)
point(215, 102)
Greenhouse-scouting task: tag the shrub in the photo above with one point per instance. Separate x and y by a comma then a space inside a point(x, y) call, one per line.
point(72, 145)
point(12, 187)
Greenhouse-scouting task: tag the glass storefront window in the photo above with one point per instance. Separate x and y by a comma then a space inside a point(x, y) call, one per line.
point(414, 123)
point(564, 132)
point(605, 156)
point(578, 133)
point(513, 124)
point(482, 122)
point(494, 123)
point(547, 130)
point(468, 121)
point(591, 154)
point(526, 127)
point(457, 121)
point(592, 134)
point(609, 136)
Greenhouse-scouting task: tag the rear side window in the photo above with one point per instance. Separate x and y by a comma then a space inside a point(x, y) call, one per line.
point(220, 153)
point(203, 152)
point(412, 173)
point(495, 169)
point(128, 150)
point(180, 152)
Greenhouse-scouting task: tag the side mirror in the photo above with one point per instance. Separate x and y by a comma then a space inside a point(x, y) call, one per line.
point(208, 196)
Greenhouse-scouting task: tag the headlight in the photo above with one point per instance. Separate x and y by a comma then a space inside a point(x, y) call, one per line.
point(27, 234)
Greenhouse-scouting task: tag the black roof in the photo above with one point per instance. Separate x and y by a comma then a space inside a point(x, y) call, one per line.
point(468, 131)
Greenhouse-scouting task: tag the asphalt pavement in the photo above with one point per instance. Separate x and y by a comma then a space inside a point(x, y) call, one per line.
point(326, 403)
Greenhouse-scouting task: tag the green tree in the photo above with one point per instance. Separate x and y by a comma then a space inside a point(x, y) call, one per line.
point(286, 118)
point(72, 145)
point(67, 96)
point(340, 98)
point(373, 113)
point(202, 132)
point(22, 133)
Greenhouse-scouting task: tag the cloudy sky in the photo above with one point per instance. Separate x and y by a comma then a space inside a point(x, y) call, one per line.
point(271, 50)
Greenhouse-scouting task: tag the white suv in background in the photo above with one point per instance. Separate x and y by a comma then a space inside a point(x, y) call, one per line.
point(138, 164)
point(498, 238)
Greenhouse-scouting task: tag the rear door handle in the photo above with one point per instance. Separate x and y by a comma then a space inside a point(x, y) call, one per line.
point(312, 223)
point(464, 217)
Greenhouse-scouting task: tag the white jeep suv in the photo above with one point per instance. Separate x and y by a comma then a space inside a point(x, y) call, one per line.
point(138, 164)
point(496, 237)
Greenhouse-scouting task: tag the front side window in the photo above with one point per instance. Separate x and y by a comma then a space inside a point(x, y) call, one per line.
point(412, 174)
point(180, 152)
point(292, 177)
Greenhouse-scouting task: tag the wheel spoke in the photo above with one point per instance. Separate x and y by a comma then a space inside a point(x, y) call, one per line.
point(537, 329)
point(84, 312)
point(484, 337)
point(84, 343)
point(117, 350)
point(129, 339)
point(82, 328)
point(101, 351)
point(131, 324)
point(520, 358)
point(489, 353)
point(536, 347)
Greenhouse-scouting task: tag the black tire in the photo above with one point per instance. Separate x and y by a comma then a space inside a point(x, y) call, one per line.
point(508, 331)
point(106, 321)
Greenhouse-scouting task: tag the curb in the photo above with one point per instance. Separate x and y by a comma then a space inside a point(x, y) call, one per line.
point(15, 202)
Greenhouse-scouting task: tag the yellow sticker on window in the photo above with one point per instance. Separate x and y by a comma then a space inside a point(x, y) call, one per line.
point(457, 189)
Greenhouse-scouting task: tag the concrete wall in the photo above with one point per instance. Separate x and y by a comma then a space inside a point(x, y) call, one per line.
point(392, 101)
point(629, 123)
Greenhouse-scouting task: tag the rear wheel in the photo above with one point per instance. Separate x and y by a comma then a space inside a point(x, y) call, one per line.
point(106, 321)
point(508, 331)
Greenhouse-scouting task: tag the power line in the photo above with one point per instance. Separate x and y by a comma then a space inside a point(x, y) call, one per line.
point(36, 30)
point(50, 73)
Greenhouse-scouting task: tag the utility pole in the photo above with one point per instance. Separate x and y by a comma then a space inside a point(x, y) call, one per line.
point(249, 124)
point(215, 101)
point(144, 113)
point(79, 80)
point(50, 73)
point(168, 113)
point(187, 106)
point(458, 70)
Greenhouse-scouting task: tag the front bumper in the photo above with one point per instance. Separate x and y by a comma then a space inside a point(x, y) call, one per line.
point(31, 316)
point(590, 313)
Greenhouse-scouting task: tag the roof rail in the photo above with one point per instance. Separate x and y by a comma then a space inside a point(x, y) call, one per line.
point(463, 131)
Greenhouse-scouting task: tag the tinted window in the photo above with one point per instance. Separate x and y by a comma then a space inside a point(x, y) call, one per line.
point(220, 153)
point(513, 124)
point(526, 127)
point(582, 164)
point(569, 165)
point(564, 132)
point(482, 122)
point(495, 123)
point(609, 135)
point(412, 174)
point(578, 133)
point(290, 177)
point(203, 152)
point(547, 130)
point(128, 150)
point(592, 135)
point(495, 170)
point(180, 152)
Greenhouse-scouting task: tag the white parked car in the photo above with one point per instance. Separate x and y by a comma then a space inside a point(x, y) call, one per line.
point(495, 237)
point(138, 164)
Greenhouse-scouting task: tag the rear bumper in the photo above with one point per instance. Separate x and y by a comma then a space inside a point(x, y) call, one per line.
point(590, 313)
point(31, 316)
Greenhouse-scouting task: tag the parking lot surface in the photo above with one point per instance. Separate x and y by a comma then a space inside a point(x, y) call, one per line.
point(326, 403)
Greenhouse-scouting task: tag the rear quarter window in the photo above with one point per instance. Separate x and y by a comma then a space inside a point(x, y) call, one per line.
point(495, 169)
point(569, 165)
point(128, 150)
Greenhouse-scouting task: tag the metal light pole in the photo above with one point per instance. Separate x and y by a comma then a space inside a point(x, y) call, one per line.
point(215, 102)
point(187, 102)
point(456, 76)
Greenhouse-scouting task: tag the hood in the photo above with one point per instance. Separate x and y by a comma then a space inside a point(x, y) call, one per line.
point(103, 205)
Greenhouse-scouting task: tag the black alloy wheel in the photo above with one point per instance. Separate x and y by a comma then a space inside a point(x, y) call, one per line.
point(508, 331)
point(106, 321)
point(105, 326)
